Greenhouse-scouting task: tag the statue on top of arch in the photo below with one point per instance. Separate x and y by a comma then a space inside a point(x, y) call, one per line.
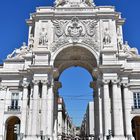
point(18, 53)
point(63, 2)
point(132, 52)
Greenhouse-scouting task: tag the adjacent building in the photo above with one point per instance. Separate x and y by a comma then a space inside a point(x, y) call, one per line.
point(87, 127)
point(66, 129)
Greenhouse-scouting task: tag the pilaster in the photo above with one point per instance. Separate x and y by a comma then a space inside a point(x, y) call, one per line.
point(44, 110)
point(117, 115)
point(127, 110)
point(50, 116)
point(24, 118)
point(35, 107)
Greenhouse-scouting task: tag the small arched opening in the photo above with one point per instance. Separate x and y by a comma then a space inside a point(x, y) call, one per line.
point(136, 127)
point(12, 128)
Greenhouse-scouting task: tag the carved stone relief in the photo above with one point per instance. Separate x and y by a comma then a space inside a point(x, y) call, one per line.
point(75, 31)
point(70, 2)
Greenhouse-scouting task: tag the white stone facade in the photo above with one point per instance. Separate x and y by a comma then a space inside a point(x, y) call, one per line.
point(87, 127)
point(66, 129)
point(73, 33)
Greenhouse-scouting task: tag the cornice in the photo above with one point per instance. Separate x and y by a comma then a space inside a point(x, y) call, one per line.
point(40, 68)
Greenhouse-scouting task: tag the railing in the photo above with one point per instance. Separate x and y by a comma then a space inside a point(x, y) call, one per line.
point(135, 109)
point(13, 108)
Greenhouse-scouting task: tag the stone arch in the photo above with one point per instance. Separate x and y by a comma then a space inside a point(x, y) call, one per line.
point(136, 127)
point(75, 55)
point(11, 124)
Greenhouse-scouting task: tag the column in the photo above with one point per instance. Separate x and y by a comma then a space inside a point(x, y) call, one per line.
point(100, 112)
point(35, 108)
point(44, 107)
point(127, 110)
point(5, 96)
point(55, 115)
point(30, 111)
point(106, 108)
point(50, 116)
point(60, 123)
point(24, 117)
point(117, 109)
point(97, 111)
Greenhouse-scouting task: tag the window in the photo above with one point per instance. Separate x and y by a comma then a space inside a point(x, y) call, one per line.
point(136, 97)
point(14, 100)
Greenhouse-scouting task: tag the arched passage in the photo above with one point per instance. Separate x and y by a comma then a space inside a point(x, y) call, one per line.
point(81, 57)
point(136, 127)
point(12, 128)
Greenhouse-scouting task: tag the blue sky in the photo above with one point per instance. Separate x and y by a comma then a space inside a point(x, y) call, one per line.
point(14, 31)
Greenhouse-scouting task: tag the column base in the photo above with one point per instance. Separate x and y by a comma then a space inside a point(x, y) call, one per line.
point(117, 138)
point(31, 138)
point(1, 137)
point(100, 137)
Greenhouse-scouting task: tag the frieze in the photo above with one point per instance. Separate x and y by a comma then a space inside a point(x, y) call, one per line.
point(56, 45)
point(75, 31)
point(59, 27)
point(92, 43)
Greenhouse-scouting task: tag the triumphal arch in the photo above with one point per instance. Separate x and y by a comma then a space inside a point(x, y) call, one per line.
point(72, 33)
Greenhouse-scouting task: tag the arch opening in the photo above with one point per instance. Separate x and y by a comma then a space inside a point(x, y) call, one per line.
point(12, 128)
point(76, 63)
point(76, 94)
point(136, 127)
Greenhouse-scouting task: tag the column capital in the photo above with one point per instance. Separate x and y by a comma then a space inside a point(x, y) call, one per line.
point(3, 87)
point(95, 72)
point(25, 84)
point(35, 82)
point(105, 81)
point(57, 85)
point(115, 81)
point(44, 82)
point(126, 85)
point(93, 84)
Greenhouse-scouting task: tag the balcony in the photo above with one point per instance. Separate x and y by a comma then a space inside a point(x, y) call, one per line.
point(135, 109)
point(13, 110)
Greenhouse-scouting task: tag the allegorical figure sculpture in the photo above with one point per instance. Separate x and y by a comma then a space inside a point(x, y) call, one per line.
point(131, 51)
point(89, 2)
point(107, 37)
point(63, 2)
point(19, 52)
point(43, 37)
point(31, 41)
point(60, 2)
